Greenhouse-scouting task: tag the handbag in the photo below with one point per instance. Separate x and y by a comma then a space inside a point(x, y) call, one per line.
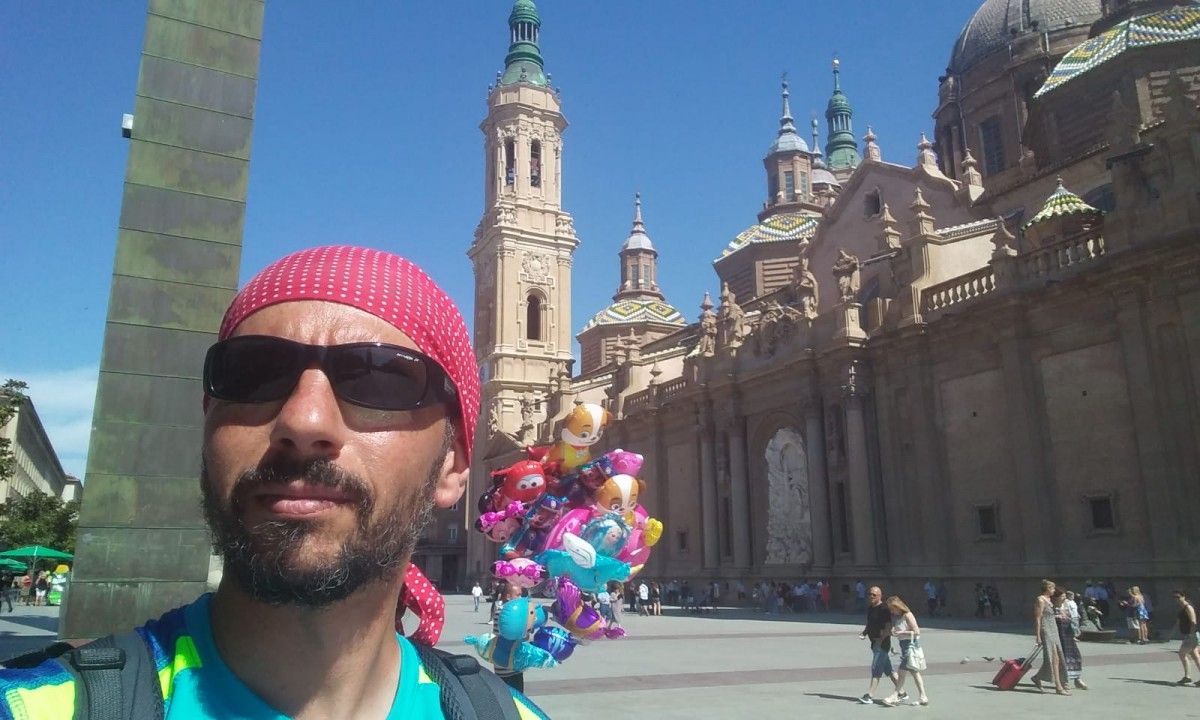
point(916, 657)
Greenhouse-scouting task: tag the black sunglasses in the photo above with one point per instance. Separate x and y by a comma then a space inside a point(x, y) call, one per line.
point(264, 368)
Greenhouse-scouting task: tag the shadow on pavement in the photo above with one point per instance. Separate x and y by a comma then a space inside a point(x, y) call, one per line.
point(1163, 683)
point(1018, 689)
point(39, 622)
point(995, 625)
point(830, 696)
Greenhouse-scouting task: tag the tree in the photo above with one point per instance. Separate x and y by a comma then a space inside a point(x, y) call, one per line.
point(12, 395)
point(39, 519)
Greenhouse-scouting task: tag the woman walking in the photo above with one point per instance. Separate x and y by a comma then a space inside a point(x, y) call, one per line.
point(1072, 658)
point(1045, 629)
point(655, 598)
point(1141, 614)
point(905, 629)
point(1190, 646)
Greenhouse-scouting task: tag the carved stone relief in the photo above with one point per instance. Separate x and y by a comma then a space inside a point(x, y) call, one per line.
point(789, 510)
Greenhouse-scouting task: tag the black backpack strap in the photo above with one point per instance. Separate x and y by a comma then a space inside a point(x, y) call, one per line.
point(36, 657)
point(115, 677)
point(469, 692)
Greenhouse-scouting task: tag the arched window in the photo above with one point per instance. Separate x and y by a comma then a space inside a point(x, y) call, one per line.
point(535, 164)
point(872, 203)
point(510, 163)
point(533, 318)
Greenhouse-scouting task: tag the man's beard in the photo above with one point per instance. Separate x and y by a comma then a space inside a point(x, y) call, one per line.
point(263, 558)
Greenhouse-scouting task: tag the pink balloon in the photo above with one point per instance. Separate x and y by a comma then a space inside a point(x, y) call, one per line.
point(570, 522)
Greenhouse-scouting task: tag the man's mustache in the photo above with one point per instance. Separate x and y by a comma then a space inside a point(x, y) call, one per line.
point(317, 472)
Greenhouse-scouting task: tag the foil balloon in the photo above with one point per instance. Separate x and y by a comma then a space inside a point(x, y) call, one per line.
point(582, 429)
point(578, 617)
point(521, 572)
point(619, 462)
point(507, 648)
point(556, 641)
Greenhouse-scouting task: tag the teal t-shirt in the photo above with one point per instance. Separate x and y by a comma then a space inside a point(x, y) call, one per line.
point(196, 682)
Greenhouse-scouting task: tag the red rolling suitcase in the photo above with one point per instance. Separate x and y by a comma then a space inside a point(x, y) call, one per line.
point(1012, 671)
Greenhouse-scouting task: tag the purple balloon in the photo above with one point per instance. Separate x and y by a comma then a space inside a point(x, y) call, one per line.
point(556, 641)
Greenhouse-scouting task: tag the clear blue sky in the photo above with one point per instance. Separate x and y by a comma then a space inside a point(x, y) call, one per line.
point(367, 132)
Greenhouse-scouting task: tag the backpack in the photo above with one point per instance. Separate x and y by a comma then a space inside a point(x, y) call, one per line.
point(115, 679)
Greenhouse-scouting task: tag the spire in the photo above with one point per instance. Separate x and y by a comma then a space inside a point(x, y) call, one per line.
point(788, 140)
point(870, 147)
point(816, 136)
point(639, 261)
point(841, 149)
point(639, 227)
point(523, 64)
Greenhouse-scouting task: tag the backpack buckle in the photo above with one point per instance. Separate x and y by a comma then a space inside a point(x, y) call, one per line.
point(98, 658)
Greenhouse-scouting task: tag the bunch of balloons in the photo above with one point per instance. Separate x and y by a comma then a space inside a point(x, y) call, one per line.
point(571, 522)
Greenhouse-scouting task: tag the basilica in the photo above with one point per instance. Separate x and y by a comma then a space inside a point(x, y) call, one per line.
point(981, 366)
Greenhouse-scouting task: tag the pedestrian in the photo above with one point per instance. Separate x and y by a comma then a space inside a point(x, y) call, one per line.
point(604, 601)
point(339, 404)
point(1189, 646)
point(6, 581)
point(1067, 633)
point(614, 604)
point(476, 594)
point(26, 589)
point(878, 632)
point(825, 592)
point(994, 603)
point(912, 656)
point(1045, 630)
point(943, 597)
point(643, 598)
point(40, 588)
point(860, 596)
point(741, 591)
point(981, 601)
point(931, 596)
point(1073, 613)
point(1136, 616)
point(655, 598)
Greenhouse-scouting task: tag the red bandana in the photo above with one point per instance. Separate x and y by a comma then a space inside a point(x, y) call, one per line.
point(394, 289)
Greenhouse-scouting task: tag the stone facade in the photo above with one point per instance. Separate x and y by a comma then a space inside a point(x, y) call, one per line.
point(37, 467)
point(950, 373)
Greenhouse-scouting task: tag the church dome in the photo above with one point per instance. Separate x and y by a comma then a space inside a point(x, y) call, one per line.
point(1178, 24)
point(777, 228)
point(996, 21)
point(624, 312)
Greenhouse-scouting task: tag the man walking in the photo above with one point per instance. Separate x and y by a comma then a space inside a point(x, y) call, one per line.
point(643, 598)
point(476, 594)
point(879, 632)
point(931, 593)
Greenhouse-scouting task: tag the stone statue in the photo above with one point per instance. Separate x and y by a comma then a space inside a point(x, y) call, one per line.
point(494, 420)
point(805, 285)
point(527, 406)
point(846, 270)
point(732, 319)
point(707, 347)
point(1125, 124)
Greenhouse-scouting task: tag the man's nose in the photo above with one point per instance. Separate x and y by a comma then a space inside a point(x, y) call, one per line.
point(310, 422)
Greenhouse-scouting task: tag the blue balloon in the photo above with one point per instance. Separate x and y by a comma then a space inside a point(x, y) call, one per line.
point(556, 641)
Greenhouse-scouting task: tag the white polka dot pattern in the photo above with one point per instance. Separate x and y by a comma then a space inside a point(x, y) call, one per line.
point(385, 285)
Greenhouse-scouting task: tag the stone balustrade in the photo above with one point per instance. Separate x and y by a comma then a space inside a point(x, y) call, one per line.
point(957, 290)
point(1065, 254)
point(1032, 268)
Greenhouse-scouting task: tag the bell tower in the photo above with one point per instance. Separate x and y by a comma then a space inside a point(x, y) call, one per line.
point(524, 244)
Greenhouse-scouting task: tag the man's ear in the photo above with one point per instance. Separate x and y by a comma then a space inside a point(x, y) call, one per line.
point(452, 481)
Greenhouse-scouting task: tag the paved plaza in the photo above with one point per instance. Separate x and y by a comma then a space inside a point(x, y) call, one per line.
point(737, 664)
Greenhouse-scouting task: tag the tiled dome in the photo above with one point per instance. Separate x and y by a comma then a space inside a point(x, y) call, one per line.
point(992, 25)
point(777, 228)
point(1168, 26)
point(636, 311)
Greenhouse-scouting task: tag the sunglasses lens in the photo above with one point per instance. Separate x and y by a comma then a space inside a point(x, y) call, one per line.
point(252, 369)
point(379, 377)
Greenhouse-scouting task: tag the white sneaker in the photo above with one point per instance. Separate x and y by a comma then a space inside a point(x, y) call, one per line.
point(891, 700)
